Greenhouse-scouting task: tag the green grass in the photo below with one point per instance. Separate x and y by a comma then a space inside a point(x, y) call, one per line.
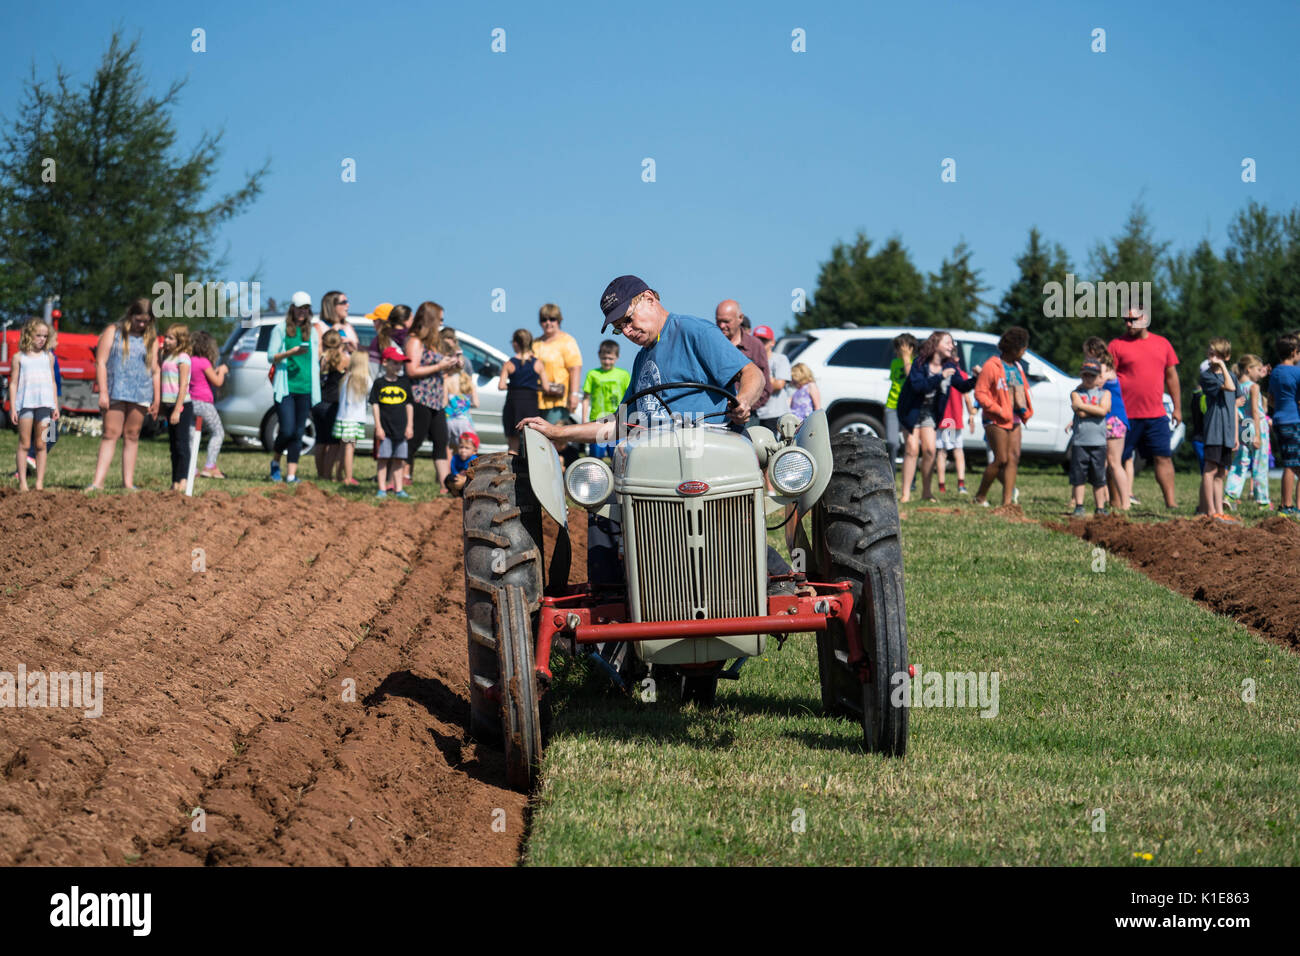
point(72, 465)
point(1045, 493)
point(1115, 695)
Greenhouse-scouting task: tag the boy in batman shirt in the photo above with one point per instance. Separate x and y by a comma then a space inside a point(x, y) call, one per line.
point(394, 414)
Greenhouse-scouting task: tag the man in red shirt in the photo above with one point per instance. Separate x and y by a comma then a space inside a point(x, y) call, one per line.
point(1147, 368)
point(727, 316)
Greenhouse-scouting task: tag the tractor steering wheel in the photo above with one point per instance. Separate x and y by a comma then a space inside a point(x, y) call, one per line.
point(697, 386)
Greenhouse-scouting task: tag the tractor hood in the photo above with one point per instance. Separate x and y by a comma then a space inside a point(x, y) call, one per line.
point(676, 461)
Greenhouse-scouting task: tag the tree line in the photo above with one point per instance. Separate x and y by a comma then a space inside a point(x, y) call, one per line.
point(1250, 294)
point(98, 202)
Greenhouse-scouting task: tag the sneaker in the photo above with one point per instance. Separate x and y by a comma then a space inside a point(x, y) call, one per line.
point(943, 489)
point(1230, 519)
point(350, 483)
point(982, 504)
point(275, 471)
point(1101, 512)
point(1230, 503)
point(1015, 496)
point(1079, 512)
point(401, 494)
point(1134, 500)
point(292, 480)
point(381, 493)
point(961, 489)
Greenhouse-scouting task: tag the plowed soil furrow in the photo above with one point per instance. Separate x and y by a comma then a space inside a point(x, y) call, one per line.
point(382, 776)
point(168, 631)
point(223, 689)
point(240, 683)
point(1247, 573)
point(73, 539)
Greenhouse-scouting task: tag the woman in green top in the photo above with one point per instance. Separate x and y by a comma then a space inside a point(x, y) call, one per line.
point(904, 349)
point(294, 351)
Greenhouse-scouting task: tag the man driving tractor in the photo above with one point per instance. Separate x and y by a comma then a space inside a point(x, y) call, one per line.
point(674, 348)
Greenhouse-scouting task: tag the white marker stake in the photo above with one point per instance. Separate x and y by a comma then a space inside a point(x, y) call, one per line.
point(194, 458)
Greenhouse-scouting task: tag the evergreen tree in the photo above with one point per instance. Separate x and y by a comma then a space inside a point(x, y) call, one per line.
point(1263, 263)
point(1204, 305)
point(94, 206)
point(1133, 256)
point(953, 294)
point(1023, 303)
point(858, 288)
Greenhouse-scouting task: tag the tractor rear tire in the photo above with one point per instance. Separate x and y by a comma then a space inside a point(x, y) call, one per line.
point(503, 590)
point(855, 538)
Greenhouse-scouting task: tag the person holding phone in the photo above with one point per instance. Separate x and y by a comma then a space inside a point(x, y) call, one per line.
point(294, 352)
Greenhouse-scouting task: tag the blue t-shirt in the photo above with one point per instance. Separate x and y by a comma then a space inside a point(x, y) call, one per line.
point(1283, 384)
point(459, 464)
point(689, 349)
point(1116, 401)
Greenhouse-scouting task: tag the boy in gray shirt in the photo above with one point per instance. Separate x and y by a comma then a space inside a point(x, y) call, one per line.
point(1091, 404)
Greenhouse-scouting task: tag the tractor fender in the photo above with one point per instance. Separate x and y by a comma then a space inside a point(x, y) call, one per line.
point(546, 474)
point(814, 437)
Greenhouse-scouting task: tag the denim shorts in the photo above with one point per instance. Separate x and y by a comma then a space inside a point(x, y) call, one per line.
point(1286, 448)
point(389, 449)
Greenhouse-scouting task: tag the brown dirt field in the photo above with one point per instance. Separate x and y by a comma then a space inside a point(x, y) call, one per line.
point(1248, 573)
point(224, 688)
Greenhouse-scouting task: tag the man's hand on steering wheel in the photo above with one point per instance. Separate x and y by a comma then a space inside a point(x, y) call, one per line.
point(739, 411)
point(733, 404)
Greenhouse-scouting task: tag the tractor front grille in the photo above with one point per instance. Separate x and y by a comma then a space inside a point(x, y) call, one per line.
point(695, 558)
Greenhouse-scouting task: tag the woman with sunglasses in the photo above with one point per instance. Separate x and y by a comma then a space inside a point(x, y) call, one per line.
point(334, 315)
point(294, 351)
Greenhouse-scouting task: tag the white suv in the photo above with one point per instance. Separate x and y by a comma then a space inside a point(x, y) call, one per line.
point(851, 367)
point(247, 410)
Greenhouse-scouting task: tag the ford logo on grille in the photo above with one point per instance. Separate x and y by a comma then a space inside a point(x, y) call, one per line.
point(692, 487)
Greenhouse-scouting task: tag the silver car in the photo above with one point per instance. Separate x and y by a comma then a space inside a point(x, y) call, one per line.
point(247, 409)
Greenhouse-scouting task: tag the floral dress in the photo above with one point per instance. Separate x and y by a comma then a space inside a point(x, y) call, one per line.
point(801, 403)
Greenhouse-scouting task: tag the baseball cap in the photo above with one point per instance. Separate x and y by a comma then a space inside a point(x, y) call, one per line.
point(763, 332)
point(614, 300)
point(469, 437)
point(394, 355)
point(1090, 367)
point(301, 299)
point(380, 312)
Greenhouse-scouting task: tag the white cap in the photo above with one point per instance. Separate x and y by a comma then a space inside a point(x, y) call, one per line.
point(301, 298)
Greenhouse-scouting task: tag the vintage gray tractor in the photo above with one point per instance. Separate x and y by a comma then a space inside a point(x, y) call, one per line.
point(681, 580)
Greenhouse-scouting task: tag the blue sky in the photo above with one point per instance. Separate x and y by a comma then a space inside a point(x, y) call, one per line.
point(522, 170)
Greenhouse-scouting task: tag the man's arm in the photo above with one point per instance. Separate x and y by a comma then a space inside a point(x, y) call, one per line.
point(1174, 390)
point(601, 430)
point(748, 392)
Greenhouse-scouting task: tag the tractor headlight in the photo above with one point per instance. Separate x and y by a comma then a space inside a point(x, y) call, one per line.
point(792, 471)
point(589, 482)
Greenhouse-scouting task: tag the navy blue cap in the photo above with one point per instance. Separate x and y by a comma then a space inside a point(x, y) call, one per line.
point(614, 300)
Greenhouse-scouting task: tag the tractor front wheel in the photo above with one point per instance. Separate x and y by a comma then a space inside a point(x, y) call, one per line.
point(503, 590)
point(855, 538)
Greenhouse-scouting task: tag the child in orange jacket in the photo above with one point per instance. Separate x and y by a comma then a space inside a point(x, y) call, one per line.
point(1003, 395)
